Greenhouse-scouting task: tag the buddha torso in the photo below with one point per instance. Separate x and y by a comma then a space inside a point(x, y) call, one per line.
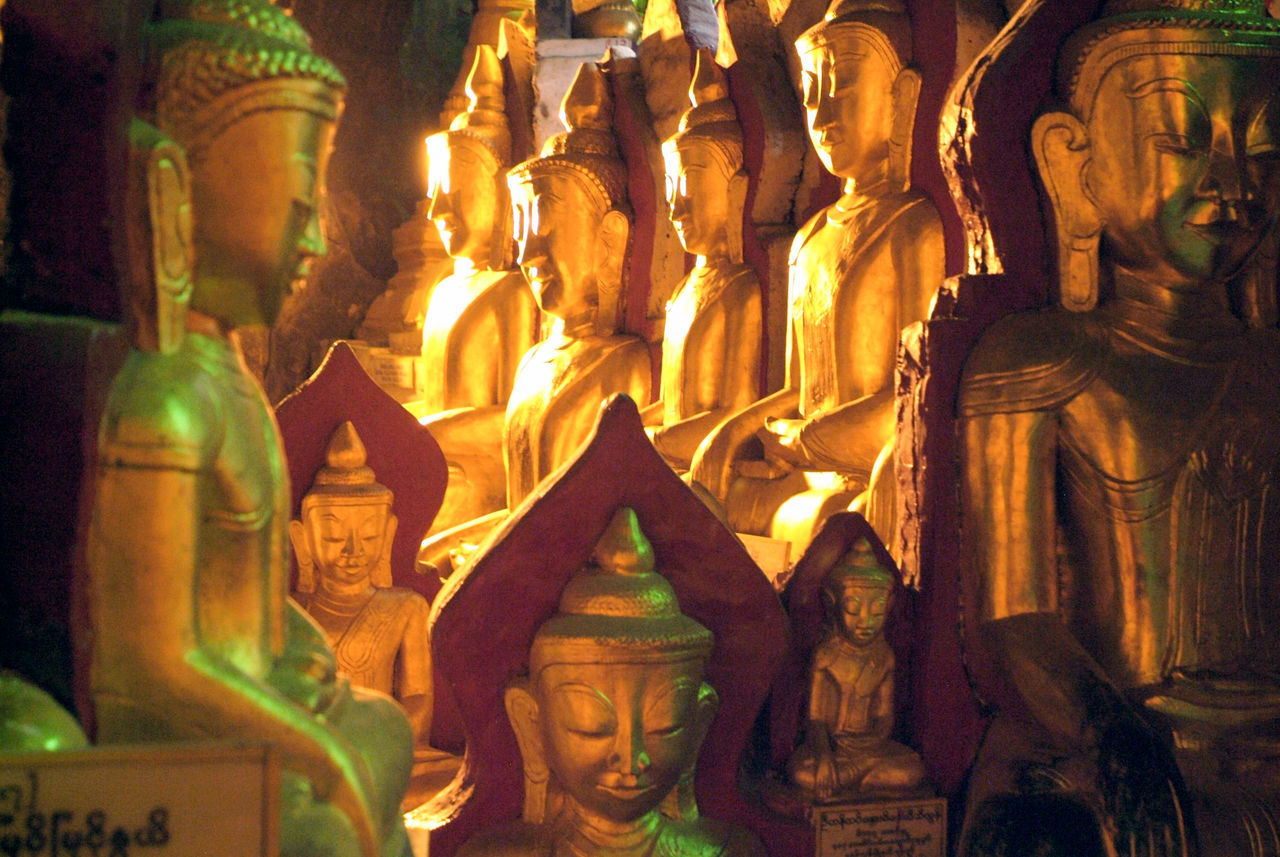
point(850, 686)
point(712, 331)
point(1166, 458)
point(656, 836)
point(199, 411)
point(478, 325)
point(851, 263)
point(381, 641)
point(557, 394)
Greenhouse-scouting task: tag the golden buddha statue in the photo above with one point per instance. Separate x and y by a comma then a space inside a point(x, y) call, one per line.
point(192, 634)
point(1119, 453)
point(572, 228)
point(711, 345)
point(610, 719)
point(481, 319)
point(343, 545)
point(860, 270)
point(847, 751)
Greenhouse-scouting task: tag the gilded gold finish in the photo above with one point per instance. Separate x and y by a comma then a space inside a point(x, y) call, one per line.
point(711, 344)
point(343, 545)
point(193, 635)
point(847, 751)
point(611, 717)
point(1119, 461)
point(572, 227)
point(861, 270)
point(482, 319)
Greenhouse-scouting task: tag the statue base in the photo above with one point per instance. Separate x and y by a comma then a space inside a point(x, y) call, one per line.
point(902, 827)
point(874, 824)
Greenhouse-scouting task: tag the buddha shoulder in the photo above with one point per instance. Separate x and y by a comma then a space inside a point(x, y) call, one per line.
point(707, 837)
point(1032, 361)
point(162, 411)
point(513, 839)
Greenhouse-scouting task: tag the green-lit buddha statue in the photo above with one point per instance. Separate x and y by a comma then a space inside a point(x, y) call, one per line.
point(847, 752)
point(192, 636)
point(861, 270)
point(610, 719)
point(1120, 452)
point(712, 340)
point(482, 319)
point(343, 546)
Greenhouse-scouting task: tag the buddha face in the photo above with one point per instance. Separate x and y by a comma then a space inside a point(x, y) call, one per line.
point(1185, 170)
point(618, 735)
point(848, 101)
point(861, 606)
point(556, 224)
point(464, 198)
point(255, 206)
point(698, 197)
point(347, 540)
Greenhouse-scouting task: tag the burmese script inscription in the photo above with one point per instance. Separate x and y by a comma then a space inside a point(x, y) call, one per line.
point(888, 829)
point(139, 802)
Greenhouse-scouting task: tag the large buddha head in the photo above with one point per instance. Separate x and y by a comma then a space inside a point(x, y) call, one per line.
point(343, 541)
point(252, 109)
point(1169, 149)
point(571, 214)
point(614, 710)
point(467, 164)
point(706, 183)
point(859, 93)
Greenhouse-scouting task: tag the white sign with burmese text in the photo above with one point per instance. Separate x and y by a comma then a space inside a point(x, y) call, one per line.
point(897, 828)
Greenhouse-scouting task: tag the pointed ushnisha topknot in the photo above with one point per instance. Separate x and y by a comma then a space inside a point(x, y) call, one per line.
point(1129, 28)
point(860, 565)
point(588, 149)
point(883, 24)
point(712, 119)
point(619, 608)
point(346, 475)
point(485, 119)
point(199, 51)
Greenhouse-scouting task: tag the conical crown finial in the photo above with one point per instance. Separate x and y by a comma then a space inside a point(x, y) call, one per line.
point(588, 104)
point(484, 82)
point(346, 471)
point(623, 549)
point(708, 85)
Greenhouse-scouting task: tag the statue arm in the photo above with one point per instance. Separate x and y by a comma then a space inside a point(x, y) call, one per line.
point(413, 678)
point(713, 462)
point(143, 556)
point(468, 430)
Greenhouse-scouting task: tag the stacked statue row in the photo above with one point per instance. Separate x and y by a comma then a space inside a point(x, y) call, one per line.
point(861, 270)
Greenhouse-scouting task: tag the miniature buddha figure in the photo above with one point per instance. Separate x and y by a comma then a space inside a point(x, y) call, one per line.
point(343, 545)
point(193, 637)
point(1120, 452)
point(711, 345)
point(847, 751)
point(482, 319)
point(610, 719)
point(860, 271)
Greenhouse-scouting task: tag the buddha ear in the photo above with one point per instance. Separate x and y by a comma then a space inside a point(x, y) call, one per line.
point(522, 711)
point(302, 550)
point(381, 576)
point(162, 167)
point(610, 257)
point(906, 96)
point(1063, 154)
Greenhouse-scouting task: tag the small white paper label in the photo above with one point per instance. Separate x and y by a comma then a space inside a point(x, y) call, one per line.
point(915, 828)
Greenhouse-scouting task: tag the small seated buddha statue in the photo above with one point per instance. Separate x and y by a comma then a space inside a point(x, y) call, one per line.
point(847, 752)
point(712, 341)
point(1127, 594)
point(572, 227)
point(343, 546)
point(481, 319)
point(610, 719)
point(192, 636)
point(861, 270)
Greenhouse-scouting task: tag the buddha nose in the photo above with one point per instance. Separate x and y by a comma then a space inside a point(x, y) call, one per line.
point(312, 243)
point(630, 756)
point(1224, 178)
point(353, 546)
point(439, 206)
